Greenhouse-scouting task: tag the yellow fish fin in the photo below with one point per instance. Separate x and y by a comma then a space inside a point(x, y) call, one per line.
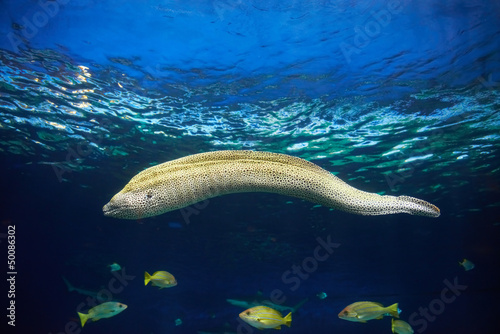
point(381, 317)
point(279, 327)
point(83, 318)
point(392, 325)
point(393, 310)
point(147, 278)
point(288, 319)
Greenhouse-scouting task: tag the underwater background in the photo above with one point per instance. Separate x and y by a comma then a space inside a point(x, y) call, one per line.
point(394, 97)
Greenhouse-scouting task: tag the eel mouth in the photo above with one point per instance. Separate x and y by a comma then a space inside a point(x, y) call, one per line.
point(119, 207)
point(109, 210)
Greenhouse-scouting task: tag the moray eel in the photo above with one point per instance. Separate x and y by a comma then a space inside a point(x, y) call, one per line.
point(179, 183)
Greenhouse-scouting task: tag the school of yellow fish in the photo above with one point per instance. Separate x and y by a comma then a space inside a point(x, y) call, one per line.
point(260, 317)
point(265, 317)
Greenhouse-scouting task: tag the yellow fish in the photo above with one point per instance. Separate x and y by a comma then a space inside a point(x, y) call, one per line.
point(401, 327)
point(363, 311)
point(262, 317)
point(162, 279)
point(104, 310)
point(468, 265)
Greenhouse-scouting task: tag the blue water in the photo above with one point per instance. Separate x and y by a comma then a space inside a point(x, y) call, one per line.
point(394, 97)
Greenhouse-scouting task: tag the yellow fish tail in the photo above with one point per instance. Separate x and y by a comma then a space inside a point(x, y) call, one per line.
point(393, 310)
point(147, 278)
point(288, 319)
point(83, 318)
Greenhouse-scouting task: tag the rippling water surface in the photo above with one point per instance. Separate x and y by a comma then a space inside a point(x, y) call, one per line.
point(58, 112)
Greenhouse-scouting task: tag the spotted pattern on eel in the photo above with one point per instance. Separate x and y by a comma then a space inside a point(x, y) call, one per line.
point(179, 183)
